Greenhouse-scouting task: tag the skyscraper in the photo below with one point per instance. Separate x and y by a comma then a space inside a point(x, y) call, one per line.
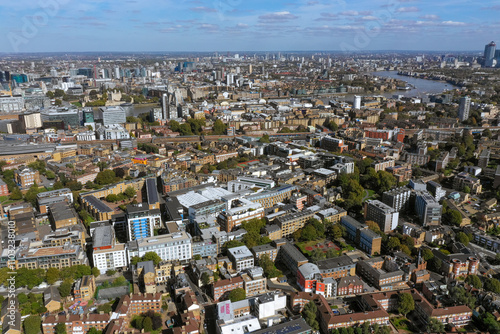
point(489, 54)
point(463, 110)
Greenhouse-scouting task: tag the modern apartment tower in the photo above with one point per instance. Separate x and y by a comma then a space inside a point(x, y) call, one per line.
point(463, 110)
point(385, 216)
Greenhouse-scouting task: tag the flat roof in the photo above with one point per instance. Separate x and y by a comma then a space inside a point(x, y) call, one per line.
point(103, 236)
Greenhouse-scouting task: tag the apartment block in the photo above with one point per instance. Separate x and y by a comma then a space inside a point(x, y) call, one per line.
point(385, 216)
point(398, 198)
point(26, 177)
point(85, 288)
point(108, 254)
point(222, 287)
point(365, 239)
point(427, 209)
point(292, 222)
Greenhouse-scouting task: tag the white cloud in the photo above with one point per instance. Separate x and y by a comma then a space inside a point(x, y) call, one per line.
point(277, 17)
point(429, 17)
point(407, 10)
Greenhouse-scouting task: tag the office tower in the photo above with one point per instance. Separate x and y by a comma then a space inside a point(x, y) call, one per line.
point(385, 216)
point(489, 54)
point(117, 73)
point(463, 110)
point(113, 115)
point(436, 190)
point(427, 209)
point(357, 102)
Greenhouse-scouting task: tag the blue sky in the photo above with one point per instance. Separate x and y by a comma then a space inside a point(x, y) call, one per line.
point(250, 25)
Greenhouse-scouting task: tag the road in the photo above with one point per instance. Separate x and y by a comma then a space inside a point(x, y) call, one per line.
point(202, 297)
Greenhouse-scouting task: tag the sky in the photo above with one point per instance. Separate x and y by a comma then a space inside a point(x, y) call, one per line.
point(247, 25)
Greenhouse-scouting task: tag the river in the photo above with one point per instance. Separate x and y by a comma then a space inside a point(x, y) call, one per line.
point(420, 87)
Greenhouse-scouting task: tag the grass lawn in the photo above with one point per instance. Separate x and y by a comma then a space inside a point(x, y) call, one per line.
point(3, 198)
point(303, 244)
point(401, 323)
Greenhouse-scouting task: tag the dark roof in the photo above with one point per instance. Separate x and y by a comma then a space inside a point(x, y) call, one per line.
point(51, 294)
point(152, 191)
point(61, 211)
point(335, 262)
point(297, 326)
point(97, 204)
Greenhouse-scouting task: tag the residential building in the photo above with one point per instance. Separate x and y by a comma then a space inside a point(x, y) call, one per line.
point(347, 286)
point(141, 221)
point(397, 198)
point(62, 215)
point(427, 209)
point(381, 273)
point(254, 282)
point(337, 267)
point(464, 108)
point(297, 326)
point(269, 304)
point(365, 239)
point(97, 208)
point(85, 288)
point(385, 216)
point(332, 215)
point(241, 257)
point(292, 222)
point(26, 177)
point(112, 132)
point(463, 180)
point(436, 190)
point(134, 304)
point(222, 287)
point(291, 257)
point(146, 274)
point(170, 247)
point(56, 257)
point(108, 254)
point(4, 190)
point(267, 249)
point(52, 299)
point(238, 211)
point(270, 198)
point(457, 316)
point(76, 323)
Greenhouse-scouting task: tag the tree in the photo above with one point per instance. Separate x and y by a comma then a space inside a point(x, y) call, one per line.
point(269, 267)
point(462, 296)
point(492, 284)
point(32, 324)
point(317, 254)
point(467, 189)
point(94, 330)
point(435, 326)
point(463, 238)
point(475, 281)
point(454, 217)
point(147, 324)
point(52, 275)
point(233, 243)
point(130, 192)
point(237, 295)
point(393, 243)
point(110, 272)
point(205, 278)
point(16, 194)
point(152, 256)
point(105, 177)
point(60, 328)
point(264, 139)
point(219, 127)
point(30, 196)
point(435, 264)
point(406, 304)
point(336, 231)
point(309, 314)
point(427, 254)
point(95, 272)
point(197, 257)
point(50, 175)
point(65, 288)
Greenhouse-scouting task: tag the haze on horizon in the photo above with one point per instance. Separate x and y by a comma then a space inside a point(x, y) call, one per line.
point(232, 25)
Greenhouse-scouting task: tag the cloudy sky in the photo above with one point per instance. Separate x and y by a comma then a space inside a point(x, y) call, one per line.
point(250, 25)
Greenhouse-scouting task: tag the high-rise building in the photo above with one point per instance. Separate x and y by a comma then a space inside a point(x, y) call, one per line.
point(141, 221)
point(357, 102)
point(489, 54)
point(427, 208)
point(463, 110)
point(398, 198)
point(385, 216)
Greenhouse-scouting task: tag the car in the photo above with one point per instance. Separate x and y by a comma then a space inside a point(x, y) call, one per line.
point(197, 293)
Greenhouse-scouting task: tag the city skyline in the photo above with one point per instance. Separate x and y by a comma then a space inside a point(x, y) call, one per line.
point(231, 25)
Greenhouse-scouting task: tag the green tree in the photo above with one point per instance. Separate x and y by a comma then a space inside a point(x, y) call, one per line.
point(94, 330)
point(435, 326)
point(197, 257)
point(317, 254)
point(205, 279)
point(427, 254)
point(463, 238)
point(336, 231)
point(237, 295)
point(30, 195)
point(16, 194)
point(393, 243)
point(52, 275)
point(60, 328)
point(32, 324)
point(475, 281)
point(95, 272)
point(467, 189)
point(309, 314)
point(406, 304)
point(454, 217)
point(233, 243)
point(219, 127)
point(185, 130)
point(65, 288)
point(130, 192)
point(119, 281)
point(105, 177)
point(152, 256)
point(50, 175)
point(264, 139)
point(147, 324)
point(492, 284)
point(270, 270)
